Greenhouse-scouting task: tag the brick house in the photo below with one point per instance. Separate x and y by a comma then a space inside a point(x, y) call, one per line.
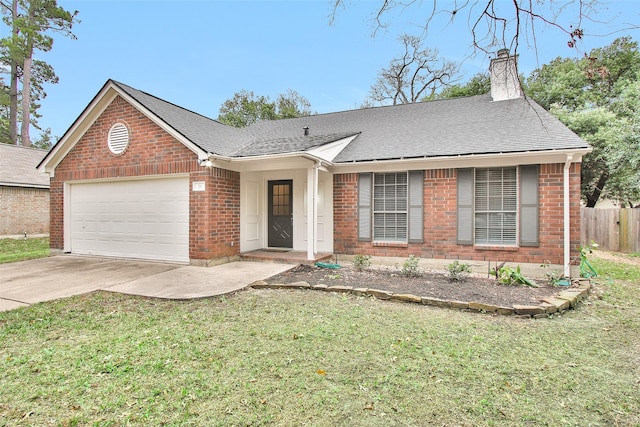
point(483, 177)
point(24, 192)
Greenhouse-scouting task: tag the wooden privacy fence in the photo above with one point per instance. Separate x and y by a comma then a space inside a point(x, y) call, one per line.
point(612, 229)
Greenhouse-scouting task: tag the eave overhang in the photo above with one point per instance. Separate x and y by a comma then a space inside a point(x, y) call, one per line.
point(305, 159)
point(90, 114)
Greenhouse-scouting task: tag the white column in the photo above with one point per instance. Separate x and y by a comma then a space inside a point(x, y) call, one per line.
point(312, 210)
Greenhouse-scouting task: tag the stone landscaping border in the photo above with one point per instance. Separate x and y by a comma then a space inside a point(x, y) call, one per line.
point(566, 299)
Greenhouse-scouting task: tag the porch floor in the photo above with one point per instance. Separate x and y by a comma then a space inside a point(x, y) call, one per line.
point(285, 256)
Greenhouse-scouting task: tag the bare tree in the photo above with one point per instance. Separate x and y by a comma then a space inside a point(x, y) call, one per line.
point(416, 74)
point(495, 23)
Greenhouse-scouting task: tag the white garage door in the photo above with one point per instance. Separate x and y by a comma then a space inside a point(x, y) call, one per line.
point(147, 219)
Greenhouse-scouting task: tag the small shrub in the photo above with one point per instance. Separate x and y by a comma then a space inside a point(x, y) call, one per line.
point(552, 275)
point(361, 262)
point(458, 271)
point(508, 276)
point(332, 276)
point(410, 267)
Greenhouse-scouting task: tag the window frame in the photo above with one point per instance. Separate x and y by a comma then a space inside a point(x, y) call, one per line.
point(492, 213)
point(375, 211)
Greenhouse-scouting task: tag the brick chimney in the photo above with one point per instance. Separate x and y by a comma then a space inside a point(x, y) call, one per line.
point(504, 77)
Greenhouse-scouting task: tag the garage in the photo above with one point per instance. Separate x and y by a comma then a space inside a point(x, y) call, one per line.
point(144, 219)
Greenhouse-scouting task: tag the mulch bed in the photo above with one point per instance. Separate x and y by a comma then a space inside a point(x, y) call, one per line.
point(474, 288)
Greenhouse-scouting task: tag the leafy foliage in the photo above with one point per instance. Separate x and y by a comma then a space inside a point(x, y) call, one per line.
point(361, 262)
point(479, 84)
point(245, 108)
point(458, 271)
point(509, 276)
point(598, 97)
point(31, 25)
point(410, 267)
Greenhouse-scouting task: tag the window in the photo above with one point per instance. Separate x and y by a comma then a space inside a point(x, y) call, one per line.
point(390, 207)
point(496, 206)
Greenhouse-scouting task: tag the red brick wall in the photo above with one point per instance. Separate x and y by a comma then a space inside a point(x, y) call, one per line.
point(440, 221)
point(152, 151)
point(214, 228)
point(24, 210)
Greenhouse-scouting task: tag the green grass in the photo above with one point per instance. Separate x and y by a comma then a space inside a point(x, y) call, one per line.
point(268, 357)
point(12, 250)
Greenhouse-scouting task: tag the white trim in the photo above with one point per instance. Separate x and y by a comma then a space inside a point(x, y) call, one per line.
point(66, 221)
point(567, 217)
point(91, 113)
point(24, 185)
point(460, 162)
point(300, 160)
point(329, 151)
point(128, 178)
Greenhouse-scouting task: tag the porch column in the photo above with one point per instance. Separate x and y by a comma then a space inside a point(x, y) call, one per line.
point(312, 211)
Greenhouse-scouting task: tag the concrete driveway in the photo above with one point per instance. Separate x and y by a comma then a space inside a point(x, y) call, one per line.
point(45, 279)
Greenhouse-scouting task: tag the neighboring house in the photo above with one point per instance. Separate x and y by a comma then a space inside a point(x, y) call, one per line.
point(490, 177)
point(24, 192)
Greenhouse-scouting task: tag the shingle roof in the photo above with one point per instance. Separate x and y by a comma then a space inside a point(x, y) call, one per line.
point(452, 127)
point(208, 134)
point(293, 144)
point(18, 167)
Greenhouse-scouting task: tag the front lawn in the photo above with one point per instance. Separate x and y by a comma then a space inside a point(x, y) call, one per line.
point(270, 357)
point(12, 250)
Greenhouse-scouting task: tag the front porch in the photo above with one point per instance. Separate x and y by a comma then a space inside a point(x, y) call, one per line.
point(284, 256)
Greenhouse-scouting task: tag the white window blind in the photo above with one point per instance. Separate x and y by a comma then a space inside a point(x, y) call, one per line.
point(496, 206)
point(390, 207)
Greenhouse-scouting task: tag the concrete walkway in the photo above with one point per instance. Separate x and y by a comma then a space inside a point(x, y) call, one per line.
point(29, 282)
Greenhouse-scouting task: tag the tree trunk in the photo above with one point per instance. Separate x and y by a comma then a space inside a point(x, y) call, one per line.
point(597, 191)
point(26, 96)
point(13, 88)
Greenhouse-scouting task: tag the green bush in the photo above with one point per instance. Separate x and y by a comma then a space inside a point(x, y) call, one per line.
point(458, 271)
point(508, 276)
point(410, 267)
point(361, 262)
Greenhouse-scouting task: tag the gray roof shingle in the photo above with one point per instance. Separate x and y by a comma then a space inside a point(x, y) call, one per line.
point(18, 166)
point(293, 144)
point(208, 134)
point(451, 127)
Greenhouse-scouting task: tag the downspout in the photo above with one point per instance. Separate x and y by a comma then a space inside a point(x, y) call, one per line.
point(567, 218)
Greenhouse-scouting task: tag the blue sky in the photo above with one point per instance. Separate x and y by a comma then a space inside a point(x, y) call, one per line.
point(197, 54)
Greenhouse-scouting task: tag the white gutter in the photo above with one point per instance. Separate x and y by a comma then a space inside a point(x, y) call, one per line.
point(323, 164)
point(567, 218)
point(463, 161)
